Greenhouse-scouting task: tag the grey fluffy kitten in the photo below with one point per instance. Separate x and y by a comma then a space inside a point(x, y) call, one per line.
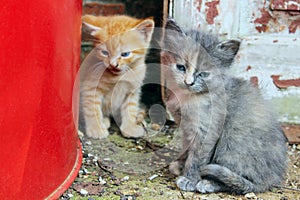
point(232, 141)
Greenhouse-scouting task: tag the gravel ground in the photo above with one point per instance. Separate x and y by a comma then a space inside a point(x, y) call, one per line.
point(119, 168)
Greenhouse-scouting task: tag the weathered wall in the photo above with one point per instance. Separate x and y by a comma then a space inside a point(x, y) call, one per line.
point(239, 18)
point(270, 50)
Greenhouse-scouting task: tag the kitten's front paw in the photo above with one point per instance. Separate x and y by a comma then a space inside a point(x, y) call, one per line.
point(175, 168)
point(133, 131)
point(140, 117)
point(97, 133)
point(205, 186)
point(185, 184)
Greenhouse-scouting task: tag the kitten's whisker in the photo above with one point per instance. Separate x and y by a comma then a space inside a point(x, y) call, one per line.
point(286, 188)
point(92, 40)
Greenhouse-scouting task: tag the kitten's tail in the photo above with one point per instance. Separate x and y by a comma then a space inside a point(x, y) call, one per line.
point(234, 182)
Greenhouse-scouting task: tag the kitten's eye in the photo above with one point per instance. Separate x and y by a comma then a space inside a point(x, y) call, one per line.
point(104, 53)
point(125, 54)
point(204, 74)
point(180, 67)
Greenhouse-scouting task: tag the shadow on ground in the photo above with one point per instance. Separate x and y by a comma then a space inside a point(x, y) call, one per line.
point(119, 168)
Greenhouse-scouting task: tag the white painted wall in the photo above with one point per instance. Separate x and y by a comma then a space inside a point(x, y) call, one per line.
point(273, 52)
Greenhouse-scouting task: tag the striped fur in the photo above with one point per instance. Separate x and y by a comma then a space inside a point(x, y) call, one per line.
point(112, 74)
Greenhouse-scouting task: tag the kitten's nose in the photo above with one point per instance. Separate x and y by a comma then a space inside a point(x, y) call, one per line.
point(189, 83)
point(114, 66)
point(189, 80)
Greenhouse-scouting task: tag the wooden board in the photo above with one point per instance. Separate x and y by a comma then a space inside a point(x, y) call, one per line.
point(292, 132)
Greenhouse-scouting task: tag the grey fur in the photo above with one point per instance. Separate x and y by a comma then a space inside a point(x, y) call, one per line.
point(232, 141)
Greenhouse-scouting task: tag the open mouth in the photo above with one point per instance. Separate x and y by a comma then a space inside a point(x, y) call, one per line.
point(115, 70)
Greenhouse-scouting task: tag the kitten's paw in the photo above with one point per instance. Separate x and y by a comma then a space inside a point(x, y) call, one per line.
point(205, 186)
point(175, 168)
point(185, 184)
point(106, 121)
point(97, 133)
point(133, 131)
point(140, 117)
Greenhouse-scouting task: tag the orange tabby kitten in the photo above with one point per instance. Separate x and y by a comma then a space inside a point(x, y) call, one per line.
point(112, 77)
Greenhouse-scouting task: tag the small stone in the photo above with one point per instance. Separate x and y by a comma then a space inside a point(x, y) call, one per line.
point(284, 198)
point(83, 192)
point(102, 182)
point(250, 195)
point(85, 155)
point(153, 177)
point(125, 178)
point(139, 147)
point(70, 195)
point(128, 197)
point(85, 176)
point(95, 159)
point(85, 171)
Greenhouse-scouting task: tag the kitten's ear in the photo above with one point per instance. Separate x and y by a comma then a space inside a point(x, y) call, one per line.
point(229, 48)
point(145, 28)
point(171, 36)
point(225, 52)
point(90, 29)
point(172, 25)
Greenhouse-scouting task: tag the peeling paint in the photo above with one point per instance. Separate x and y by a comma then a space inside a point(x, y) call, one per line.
point(235, 18)
point(294, 26)
point(277, 16)
point(263, 21)
point(283, 84)
point(198, 4)
point(254, 80)
point(286, 5)
point(248, 68)
point(269, 31)
point(211, 11)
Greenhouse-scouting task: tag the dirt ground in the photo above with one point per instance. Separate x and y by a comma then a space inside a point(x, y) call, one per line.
point(128, 169)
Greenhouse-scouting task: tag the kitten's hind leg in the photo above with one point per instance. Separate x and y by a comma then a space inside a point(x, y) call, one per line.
point(234, 182)
point(185, 184)
point(176, 167)
point(208, 186)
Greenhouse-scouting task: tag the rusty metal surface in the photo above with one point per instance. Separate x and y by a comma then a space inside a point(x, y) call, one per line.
point(235, 18)
point(286, 5)
point(292, 132)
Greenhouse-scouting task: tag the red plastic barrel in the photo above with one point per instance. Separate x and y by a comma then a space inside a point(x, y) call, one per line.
point(40, 153)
